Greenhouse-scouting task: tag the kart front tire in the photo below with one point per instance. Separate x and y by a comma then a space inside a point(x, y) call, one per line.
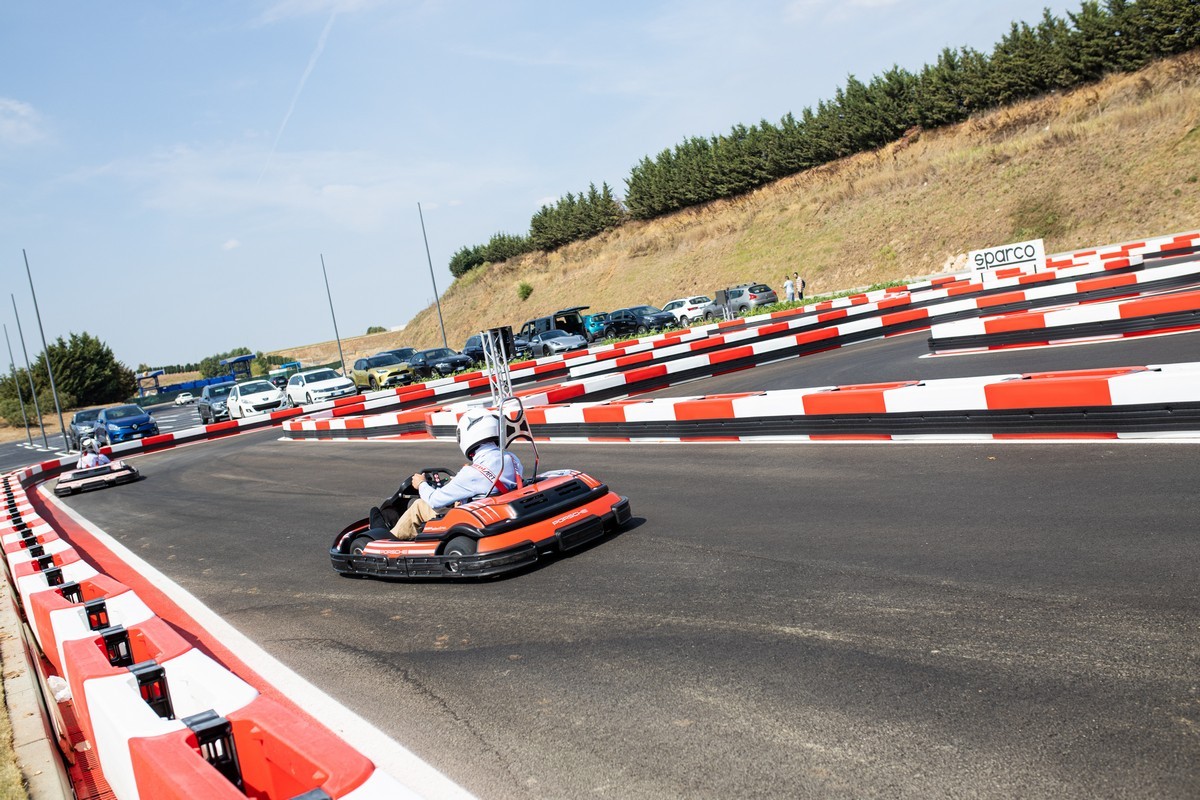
point(358, 544)
point(459, 546)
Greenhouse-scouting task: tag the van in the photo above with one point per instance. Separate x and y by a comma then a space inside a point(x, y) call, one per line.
point(569, 320)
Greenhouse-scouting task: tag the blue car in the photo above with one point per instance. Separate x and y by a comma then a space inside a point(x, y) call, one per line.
point(593, 325)
point(123, 423)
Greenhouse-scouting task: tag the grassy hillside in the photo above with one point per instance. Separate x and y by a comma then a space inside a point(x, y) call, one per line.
point(1115, 161)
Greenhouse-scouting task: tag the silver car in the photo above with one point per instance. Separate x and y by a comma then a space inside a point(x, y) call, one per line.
point(749, 296)
point(554, 341)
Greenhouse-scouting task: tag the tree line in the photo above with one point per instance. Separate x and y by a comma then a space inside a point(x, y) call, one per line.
point(86, 373)
point(1030, 60)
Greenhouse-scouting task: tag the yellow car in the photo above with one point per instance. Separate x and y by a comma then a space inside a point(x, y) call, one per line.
point(380, 371)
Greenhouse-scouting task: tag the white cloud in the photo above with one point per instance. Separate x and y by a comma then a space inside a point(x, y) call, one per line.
point(231, 244)
point(354, 191)
point(20, 123)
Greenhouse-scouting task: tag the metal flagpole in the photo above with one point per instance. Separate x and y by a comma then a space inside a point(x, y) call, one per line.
point(62, 428)
point(335, 330)
point(431, 278)
point(17, 385)
point(37, 409)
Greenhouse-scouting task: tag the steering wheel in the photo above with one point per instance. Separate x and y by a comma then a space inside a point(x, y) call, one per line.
point(437, 477)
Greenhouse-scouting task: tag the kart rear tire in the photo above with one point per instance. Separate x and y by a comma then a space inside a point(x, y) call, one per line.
point(358, 543)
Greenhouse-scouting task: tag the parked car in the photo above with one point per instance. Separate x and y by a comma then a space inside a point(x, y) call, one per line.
point(211, 405)
point(438, 361)
point(473, 349)
point(638, 319)
point(402, 353)
point(380, 372)
point(123, 423)
point(749, 296)
point(687, 310)
point(254, 397)
point(82, 424)
point(555, 341)
point(568, 319)
point(593, 325)
point(317, 386)
point(183, 398)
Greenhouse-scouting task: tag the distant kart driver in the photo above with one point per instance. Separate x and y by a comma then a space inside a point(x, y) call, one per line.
point(478, 436)
point(90, 455)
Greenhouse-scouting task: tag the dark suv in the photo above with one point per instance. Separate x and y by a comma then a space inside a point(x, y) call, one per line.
point(639, 319)
point(211, 405)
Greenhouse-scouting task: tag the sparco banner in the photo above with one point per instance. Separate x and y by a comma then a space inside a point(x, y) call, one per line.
point(1029, 255)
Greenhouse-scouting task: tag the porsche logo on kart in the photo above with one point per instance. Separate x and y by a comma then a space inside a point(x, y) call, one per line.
point(581, 512)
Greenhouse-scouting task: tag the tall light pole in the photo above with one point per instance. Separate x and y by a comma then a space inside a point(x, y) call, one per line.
point(17, 385)
point(335, 330)
point(37, 409)
point(431, 278)
point(62, 428)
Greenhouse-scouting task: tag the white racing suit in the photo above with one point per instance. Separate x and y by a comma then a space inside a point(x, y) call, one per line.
point(480, 478)
point(89, 460)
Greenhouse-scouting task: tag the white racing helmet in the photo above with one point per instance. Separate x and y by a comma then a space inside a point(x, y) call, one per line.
point(475, 427)
point(89, 445)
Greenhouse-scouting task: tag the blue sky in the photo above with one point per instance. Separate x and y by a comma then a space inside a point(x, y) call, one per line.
point(176, 170)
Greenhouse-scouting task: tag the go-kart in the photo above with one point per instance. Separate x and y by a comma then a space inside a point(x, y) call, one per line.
point(101, 477)
point(555, 511)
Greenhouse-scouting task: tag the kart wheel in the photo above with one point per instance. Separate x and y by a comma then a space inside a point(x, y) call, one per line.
point(459, 546)
point(358, 544)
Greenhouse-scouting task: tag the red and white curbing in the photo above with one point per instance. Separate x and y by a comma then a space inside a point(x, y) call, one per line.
point(1140, 316)
point(906, 410)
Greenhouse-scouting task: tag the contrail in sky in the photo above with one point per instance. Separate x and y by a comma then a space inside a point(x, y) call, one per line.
point(312, 62)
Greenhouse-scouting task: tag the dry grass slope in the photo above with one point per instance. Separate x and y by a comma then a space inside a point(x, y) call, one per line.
point(1107, 163)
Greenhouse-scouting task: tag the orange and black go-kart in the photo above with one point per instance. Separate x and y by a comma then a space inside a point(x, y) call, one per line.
point(101, 477)
point(555, 511)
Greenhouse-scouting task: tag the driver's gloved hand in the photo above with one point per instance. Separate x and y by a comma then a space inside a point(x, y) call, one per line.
point(376, 518)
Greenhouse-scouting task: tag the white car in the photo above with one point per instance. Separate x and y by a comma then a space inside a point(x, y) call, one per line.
point(254, 397)
point(691, 309)
point(183, 398)
point(318, 385)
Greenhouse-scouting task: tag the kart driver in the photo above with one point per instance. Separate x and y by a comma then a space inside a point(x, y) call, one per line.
point(478, 436)
point(90, 455)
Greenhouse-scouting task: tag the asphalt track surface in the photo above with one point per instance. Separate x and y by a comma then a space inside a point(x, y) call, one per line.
point(788, 620)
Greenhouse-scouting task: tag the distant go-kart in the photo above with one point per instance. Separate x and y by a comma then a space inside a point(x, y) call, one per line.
point(554, 511)
point(101, 477)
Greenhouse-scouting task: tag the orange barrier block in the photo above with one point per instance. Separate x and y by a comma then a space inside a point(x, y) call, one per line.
point(273, 752)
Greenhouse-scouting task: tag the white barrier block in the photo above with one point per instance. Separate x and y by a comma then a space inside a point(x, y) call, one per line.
point(1168, 386)
point(115, 707)
point(947, 394)
point(28, 585)
point(52, 547)
point(40, 529)
point(69, 624)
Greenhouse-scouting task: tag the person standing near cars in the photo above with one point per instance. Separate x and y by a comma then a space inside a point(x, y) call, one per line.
point(799, 283)
point(789, 289)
